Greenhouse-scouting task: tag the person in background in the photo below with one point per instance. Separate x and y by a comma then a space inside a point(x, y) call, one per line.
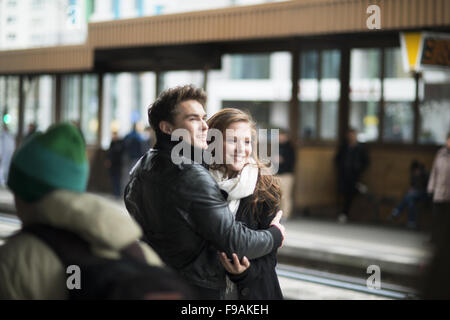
point(31, 129)
point(114, 163)
point(417, 192)
point(439, 187)
point(48, 178)
point(7, 146)
point(132, 144)
point(351, 161)
point(253, 198)
point(286, 166)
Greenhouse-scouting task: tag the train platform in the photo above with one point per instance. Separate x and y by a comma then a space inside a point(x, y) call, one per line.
point(347, 249)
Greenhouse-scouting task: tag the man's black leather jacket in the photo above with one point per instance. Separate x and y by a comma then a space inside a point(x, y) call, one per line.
point(186, 219)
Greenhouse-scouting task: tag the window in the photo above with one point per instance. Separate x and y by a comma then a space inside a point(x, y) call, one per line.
point(434, 107)
point(319, 93)
point(11, 20)
point(11, 36)
point(38, 102)
point(398, 96)
point(89, 113)
point(330, 89)
point(308, 94)
point(365, 92)
point(70, 98)
point(250, 66)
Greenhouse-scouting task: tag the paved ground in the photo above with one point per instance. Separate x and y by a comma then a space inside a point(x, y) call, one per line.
point(393, 249)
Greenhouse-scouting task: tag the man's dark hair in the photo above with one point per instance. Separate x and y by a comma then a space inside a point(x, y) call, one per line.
point(165, 106)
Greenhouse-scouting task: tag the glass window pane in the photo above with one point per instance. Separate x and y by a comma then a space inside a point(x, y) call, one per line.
point(89, 121)
point(70, 98)
point(330, 91)
point(398, 122)
point(38, 103)
point(364, 118)
point(10, 103)
point(308, 64)
point(308, 116)
point(328, 120)
point(434, 95)
point(308, 94)
point(393, 64)
point(365, 92)
point(250, 66)
point(331, 64)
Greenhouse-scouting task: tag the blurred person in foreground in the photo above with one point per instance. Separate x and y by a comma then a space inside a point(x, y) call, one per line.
point(253, 197)
point(48, 177)
point(439, 187)
point(351, 161)
point(179, 205)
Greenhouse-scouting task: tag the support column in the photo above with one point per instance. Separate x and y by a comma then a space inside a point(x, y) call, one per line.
point(344, 94)
point(21, 114)
point(58, 99)
point(100, 109)
point(294, 103)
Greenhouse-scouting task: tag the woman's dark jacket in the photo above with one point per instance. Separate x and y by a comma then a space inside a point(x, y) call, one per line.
point(260, 280)
point(186, 219)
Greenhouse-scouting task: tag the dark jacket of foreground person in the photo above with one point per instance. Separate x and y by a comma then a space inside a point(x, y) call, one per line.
point(187, 221)
point(260, 280)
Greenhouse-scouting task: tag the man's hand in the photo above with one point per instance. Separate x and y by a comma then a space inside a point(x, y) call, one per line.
point(236, 267)
point(276, 222)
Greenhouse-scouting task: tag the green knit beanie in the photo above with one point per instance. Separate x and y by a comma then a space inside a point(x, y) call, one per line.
point(48, 161)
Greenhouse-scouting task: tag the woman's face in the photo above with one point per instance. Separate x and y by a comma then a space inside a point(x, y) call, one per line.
point(237, 146)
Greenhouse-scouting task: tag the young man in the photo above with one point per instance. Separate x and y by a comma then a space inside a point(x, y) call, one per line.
point(180, 207)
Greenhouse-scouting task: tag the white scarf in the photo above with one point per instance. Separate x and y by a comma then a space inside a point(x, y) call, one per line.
point(239, 187)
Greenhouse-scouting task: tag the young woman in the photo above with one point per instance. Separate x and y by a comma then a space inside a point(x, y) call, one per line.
point(254, 199)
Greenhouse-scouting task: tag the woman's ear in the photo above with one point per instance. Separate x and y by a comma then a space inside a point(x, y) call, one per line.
point(166, 127)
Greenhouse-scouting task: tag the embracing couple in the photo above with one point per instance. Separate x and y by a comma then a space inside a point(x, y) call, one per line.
point(218, 226)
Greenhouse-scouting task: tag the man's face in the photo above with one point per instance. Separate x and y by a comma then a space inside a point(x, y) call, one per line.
point(192, 117)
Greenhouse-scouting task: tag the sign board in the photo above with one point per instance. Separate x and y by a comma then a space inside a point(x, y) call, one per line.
point(425, 51)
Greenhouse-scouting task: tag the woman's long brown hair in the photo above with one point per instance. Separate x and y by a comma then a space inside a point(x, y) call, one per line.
point(267, 188)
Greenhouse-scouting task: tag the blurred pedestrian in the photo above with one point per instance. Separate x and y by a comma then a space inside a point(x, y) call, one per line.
point(253, 198)
point(286, 166)
point(114, 163)
point(48, 178)
point(32, 128)
point(351, 161)
point(132, 143)
point(417, 192)
point(7, 146)
point(179, 205)
point(439, 186)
